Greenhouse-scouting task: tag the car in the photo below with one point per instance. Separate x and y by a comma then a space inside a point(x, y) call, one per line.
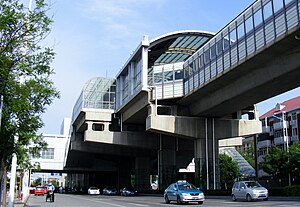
point(183, 192)
point(39, 190)
point(110, 191)
point(128, 191)
point(249, 190)
point(94, 191)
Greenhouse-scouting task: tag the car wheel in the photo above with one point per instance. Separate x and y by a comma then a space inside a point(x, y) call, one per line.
point(248, 198)
point(200, 202)
point(265, 199)
point(167, 199)
point(179, 200)
point(233, 197)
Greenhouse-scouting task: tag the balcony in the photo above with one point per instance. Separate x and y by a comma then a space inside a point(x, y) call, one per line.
point(264, 143)
point(280, 140)
point(265, 129)
point(280, 125)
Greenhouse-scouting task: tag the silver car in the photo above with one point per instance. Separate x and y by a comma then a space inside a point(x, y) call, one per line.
point(249, 190)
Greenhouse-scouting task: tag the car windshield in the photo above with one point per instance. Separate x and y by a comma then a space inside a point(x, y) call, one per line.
point(129, 188)
point(252, 184)
point(93, 188)
point(187, 186)
point(40, 188)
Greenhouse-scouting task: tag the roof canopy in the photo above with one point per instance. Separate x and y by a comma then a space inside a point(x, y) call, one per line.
point(176, 47)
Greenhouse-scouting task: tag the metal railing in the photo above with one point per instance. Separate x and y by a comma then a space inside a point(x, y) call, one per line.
point(262, 24)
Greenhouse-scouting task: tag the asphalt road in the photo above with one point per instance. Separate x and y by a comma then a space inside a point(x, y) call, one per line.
point(69, 200)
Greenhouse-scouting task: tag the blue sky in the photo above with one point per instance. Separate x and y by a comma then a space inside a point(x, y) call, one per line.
point(95, 38)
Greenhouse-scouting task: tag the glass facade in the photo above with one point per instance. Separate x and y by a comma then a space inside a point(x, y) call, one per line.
point(97, 93)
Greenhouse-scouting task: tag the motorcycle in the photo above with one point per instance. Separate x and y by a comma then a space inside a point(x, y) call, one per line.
point(50, 196)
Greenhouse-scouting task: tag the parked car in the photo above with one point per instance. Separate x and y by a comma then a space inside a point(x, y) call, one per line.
point(110, 191)
point(39, 190)
point(249, 190)
point(128, 191)
point(183, 192)
point(94, 191)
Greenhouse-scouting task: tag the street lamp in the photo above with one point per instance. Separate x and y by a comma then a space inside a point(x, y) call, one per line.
point(285, 138)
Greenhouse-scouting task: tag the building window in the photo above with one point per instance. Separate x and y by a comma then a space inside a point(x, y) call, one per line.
point(98, 127)
point(48, 153)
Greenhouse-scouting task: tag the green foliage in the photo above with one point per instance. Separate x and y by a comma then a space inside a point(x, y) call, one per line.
point(292, 190)
point(279, 163)
point(24, 78)
point(228, 171)
point(276, 162)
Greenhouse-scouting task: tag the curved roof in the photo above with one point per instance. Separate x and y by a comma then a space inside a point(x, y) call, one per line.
point(176, 46)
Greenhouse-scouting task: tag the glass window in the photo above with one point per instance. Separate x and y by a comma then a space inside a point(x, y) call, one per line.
point(206, 56)
point(278, 4)
point(226, 42)
point(287, 1)
point(241, 31)
point(168, 76)
point(268, 10)
point(233, 36)
point(157, 77)
point(213, 51)
point(257, 18)
point(178, 74)
point(98, 127)
point(219, 47)
point(249, 24)
point(201, 61)
point(48, 153)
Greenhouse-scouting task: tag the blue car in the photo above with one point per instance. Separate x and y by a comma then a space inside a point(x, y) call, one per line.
point(183, 192)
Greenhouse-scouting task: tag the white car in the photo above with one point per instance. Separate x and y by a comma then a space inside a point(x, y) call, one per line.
point(94, 191)
point(249, 190)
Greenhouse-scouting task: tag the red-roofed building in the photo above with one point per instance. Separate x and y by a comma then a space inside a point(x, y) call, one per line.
point(281, 127)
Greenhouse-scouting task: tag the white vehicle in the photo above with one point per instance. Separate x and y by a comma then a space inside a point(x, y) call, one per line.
point(94, 191)
point(249, 190)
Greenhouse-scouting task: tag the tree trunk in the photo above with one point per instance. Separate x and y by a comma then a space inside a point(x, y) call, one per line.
point(4, 187)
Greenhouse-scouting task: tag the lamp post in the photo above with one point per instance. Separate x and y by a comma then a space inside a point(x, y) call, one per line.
point(285, 138)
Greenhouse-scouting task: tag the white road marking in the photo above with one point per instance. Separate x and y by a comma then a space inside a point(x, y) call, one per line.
point(136, 204)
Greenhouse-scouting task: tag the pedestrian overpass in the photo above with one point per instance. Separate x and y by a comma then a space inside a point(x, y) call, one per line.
point(178, 94)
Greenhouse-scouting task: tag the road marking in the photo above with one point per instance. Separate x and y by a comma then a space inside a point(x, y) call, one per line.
point(97, 201)
point(136, 204)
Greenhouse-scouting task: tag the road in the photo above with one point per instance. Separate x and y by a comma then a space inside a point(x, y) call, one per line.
point(69, 200)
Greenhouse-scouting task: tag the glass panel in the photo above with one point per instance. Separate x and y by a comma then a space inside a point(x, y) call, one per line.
point(233, 36)
point(226, 42)
point(168, 76)
point(206, 56)
point(278, 4)
point(201, 61)
point(241, 31)
point(287, 1)
point(268, 10)
point(213, 51)
point(219, 47)
point(157, 77)
point(249, 24)
point(178, 74)
point(257, 18)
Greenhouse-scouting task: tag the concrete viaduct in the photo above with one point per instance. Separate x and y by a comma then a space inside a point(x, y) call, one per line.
point(180, 93)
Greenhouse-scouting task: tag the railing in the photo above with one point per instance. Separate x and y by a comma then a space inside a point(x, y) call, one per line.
point(261, 24)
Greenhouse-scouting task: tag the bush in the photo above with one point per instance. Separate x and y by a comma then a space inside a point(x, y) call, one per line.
point(293, 190)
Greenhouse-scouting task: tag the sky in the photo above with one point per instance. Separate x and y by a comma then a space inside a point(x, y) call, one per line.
point(94, 38)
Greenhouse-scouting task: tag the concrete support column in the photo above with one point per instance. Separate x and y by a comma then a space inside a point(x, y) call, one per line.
point(144, 77)
point(166, 161)
point(207, 174)
point(124, 175)
point(142, 174)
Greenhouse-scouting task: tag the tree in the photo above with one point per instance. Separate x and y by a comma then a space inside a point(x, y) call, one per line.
point(276, 162)
point(229, 170)
point(24, 79)
point(294, 162)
